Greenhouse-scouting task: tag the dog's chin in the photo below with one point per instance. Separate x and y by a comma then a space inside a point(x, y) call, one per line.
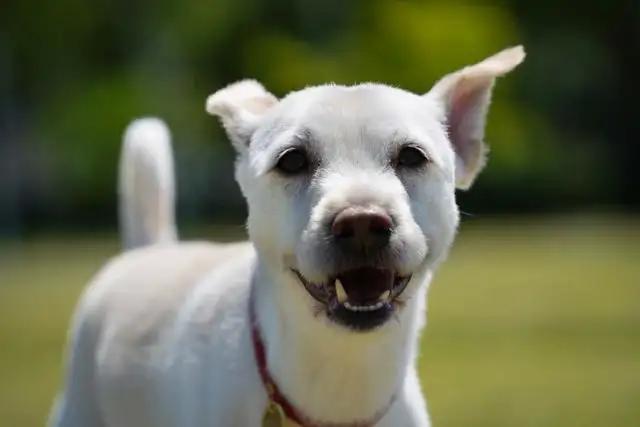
point(361, 299)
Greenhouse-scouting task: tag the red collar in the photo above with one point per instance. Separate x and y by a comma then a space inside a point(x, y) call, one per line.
point(276, 397)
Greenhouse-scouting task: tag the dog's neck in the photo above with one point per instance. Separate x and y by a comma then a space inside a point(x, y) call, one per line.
point(326, 371)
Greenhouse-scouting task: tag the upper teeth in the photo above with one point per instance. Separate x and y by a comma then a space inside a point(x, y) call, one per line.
point(341, 293)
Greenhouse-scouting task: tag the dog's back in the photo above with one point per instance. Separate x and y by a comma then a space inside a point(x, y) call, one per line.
point(125, 316)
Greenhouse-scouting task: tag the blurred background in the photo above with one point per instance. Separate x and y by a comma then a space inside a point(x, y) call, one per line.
point(534, 320)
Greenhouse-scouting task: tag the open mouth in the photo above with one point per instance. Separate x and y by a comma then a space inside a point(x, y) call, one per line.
point(361, 298)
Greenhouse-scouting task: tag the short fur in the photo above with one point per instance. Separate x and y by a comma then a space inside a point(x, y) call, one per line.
point(161, 336)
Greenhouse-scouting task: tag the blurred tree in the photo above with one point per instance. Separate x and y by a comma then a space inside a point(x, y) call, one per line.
point(73, 75)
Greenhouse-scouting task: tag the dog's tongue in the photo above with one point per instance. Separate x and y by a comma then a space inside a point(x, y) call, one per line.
point(365, 285)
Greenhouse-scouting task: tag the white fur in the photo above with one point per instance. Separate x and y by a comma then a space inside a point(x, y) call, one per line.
point(161, 336)
point(146, 184)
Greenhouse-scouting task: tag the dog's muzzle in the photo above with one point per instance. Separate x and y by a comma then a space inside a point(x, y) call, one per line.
point(363, 297)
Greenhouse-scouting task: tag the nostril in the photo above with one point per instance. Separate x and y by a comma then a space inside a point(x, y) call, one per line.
point(343, 229)
point(380, 224)
point(343, 226)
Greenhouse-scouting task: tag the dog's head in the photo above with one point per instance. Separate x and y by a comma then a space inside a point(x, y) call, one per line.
point(351, 190)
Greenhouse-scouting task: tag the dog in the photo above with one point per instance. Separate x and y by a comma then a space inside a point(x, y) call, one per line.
point(351, 194)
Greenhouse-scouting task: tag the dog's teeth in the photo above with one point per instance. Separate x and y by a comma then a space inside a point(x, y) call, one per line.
point(373, 307)
point(341, 293)
point(385, 296)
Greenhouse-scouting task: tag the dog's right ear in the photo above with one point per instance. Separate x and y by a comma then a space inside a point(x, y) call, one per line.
point(240, 106)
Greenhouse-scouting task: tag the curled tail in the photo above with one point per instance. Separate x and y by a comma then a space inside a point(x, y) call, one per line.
point(146, 185)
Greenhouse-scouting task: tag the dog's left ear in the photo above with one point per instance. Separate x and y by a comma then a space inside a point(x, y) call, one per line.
point(240, 106)
point(465, 97)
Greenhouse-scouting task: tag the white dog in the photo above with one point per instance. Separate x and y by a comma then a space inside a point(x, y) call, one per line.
point(316, 322)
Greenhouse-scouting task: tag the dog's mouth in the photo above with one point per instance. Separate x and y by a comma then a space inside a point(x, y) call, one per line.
point(362, 298)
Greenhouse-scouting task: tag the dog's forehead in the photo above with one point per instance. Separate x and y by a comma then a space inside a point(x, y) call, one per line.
point(340, 119)
point(354, 108)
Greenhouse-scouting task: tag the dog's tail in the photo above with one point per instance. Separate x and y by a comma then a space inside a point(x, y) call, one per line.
point(146, 185)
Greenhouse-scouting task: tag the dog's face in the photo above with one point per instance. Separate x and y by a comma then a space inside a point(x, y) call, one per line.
point(351, 190)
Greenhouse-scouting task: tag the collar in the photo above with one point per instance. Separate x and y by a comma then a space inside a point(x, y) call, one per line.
point(278, 400)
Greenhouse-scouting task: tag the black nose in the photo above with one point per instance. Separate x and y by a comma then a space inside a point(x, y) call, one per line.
point(362, 228)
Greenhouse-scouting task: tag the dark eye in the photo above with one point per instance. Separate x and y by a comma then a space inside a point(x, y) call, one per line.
point(293, 161)
point(411, 157)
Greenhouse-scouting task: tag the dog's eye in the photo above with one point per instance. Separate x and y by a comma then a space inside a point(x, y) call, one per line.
point(293, 161)
point(411, 157)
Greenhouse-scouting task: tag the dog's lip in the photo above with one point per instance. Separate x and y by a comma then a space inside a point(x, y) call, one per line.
point(327, 292)
point(318, 292)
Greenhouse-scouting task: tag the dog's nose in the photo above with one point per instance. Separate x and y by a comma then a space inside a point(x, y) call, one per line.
point(362, 228)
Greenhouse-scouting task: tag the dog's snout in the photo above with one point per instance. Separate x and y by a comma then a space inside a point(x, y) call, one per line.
point(362, 228)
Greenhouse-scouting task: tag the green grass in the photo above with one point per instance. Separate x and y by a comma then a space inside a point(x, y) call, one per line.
point(530, 324)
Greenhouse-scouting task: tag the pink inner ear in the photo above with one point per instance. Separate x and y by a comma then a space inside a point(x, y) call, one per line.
point(465, 118)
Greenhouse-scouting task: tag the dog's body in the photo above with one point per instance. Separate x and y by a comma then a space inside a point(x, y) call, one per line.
point(163, 335)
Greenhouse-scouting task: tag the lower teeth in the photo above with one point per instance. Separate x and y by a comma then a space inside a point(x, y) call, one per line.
point(373, 307)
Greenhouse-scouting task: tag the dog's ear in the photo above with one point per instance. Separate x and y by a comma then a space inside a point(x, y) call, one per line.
point(240, 106)
point(465, 96)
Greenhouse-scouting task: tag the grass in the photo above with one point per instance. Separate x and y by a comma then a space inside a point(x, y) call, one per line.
point(531, 323)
